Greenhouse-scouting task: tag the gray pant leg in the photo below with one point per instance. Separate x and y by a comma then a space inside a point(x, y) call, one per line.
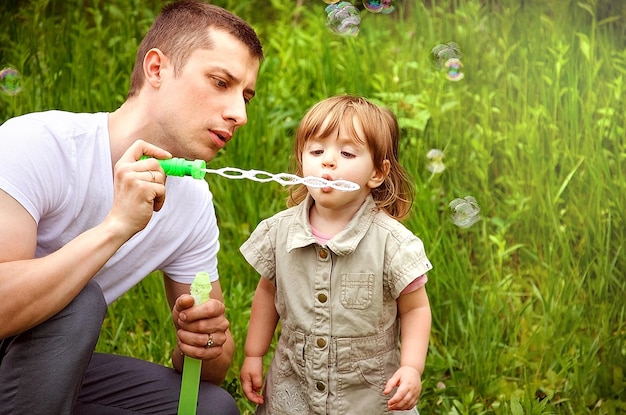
point(122, 385)
point(42, 369)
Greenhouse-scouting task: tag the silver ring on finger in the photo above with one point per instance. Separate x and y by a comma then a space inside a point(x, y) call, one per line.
point(209, 342)
point(153, 176)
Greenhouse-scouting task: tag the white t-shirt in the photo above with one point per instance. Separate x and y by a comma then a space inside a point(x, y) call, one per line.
point(58, 166)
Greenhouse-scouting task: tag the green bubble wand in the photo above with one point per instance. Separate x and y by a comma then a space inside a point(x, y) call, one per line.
point(197, 169)
point(190, 384)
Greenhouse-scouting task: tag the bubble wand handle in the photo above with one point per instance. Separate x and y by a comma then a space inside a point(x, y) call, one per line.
point(182, 167)
point(190, 383)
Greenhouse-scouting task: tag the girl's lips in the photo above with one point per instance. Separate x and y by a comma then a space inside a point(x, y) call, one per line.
point(330, 179)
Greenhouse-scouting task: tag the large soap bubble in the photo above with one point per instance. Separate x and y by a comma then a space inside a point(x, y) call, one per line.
point(447, 57)
point(465, 212)
point(343, 19)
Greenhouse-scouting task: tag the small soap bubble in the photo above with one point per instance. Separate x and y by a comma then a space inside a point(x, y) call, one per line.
point(374, 6)
point(331, 1)
point(343, 19)
point(453, 67)
point(435, 161)
point(465, 212)
point(388, 7)
point(10, 81)
point(442, 53)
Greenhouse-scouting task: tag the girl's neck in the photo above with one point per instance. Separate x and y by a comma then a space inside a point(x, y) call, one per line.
point(331, 221)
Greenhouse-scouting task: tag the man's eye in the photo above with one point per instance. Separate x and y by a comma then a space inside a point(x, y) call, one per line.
point(220, 83)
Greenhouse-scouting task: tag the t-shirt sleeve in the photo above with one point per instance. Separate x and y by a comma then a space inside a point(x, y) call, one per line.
point(33, 166)
point(259, 250)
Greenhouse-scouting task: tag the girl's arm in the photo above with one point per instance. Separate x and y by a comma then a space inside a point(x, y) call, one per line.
point(415, 323)
point(263, 321)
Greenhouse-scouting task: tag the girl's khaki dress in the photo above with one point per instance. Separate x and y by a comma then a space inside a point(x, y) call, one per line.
point(339, 339)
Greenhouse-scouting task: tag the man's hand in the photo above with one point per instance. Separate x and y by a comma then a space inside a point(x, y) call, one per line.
point(138, 187)
point(199, 326)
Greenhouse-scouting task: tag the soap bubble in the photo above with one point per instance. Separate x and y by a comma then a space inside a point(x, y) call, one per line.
point(465, 212)
point(331, 1)
point(447, 57)
point(374, 6)
point(388, 7)
point(442, 53)
point(453, 67)
point(10, 81)
point(343, 19)
point(435, 161)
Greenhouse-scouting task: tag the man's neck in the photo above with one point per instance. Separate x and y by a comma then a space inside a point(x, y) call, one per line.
point(126, 125)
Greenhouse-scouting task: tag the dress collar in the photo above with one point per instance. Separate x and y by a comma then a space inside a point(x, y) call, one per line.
point(345, 242)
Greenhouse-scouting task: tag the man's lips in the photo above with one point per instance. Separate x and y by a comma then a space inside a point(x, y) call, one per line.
point(221, 137)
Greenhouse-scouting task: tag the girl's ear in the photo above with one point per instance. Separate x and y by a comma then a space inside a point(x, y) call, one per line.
point(378, 176)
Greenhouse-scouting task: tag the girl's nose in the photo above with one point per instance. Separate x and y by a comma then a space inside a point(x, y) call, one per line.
point(328, 161)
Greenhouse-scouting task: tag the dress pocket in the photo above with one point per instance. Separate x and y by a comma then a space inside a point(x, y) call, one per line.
point(357, 290)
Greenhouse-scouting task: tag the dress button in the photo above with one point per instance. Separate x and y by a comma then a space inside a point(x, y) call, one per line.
point(322, 297)
point(321, 342)
point(323, 253)
point(320, 386)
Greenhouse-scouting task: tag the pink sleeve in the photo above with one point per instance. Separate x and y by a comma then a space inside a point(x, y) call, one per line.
point(415, 285)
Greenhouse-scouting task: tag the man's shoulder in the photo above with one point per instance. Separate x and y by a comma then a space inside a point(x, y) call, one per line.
point(55, 115)
point(54, 121)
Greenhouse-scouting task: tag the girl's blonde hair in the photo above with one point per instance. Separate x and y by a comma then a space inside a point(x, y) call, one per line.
point(380, 133)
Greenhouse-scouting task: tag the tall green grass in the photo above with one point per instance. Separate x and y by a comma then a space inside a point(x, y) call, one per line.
point(528, 304)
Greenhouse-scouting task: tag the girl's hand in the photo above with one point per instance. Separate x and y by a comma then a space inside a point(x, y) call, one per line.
point(251, 376)
point(409, 383)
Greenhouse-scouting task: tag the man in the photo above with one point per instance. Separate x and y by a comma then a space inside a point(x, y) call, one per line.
point(83, 219)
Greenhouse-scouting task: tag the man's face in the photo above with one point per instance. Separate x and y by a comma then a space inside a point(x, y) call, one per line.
point(200, 109)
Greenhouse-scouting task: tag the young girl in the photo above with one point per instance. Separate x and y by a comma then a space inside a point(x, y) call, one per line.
point(344, 277)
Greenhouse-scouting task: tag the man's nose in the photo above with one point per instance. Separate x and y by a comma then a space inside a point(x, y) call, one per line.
point(236, 112)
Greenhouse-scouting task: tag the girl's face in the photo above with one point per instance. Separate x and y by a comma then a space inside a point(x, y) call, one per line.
point(340, 156)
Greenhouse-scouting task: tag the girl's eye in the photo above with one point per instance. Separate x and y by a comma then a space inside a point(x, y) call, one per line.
point(317, 152)
point(347, 154)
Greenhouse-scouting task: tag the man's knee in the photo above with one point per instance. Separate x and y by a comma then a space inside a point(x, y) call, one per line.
point(213, 400)
point(86, 312)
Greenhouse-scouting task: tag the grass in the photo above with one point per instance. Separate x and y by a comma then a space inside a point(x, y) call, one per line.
point(528, 304)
